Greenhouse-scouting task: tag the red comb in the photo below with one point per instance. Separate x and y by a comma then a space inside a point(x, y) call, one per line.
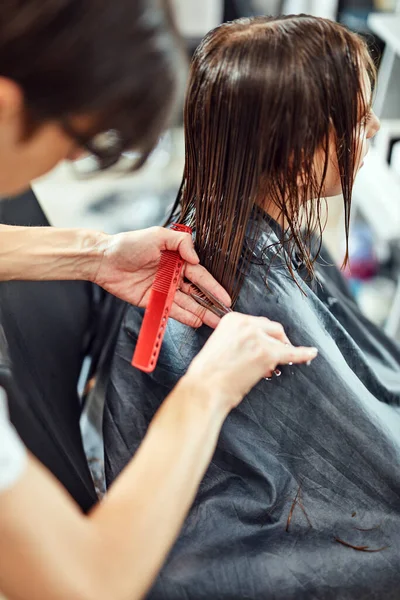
point(157, 312)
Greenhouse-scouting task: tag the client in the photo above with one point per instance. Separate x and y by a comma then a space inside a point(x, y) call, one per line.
point(302, 498)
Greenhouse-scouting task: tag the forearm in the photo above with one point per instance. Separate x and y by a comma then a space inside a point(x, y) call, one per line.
point(118, 550)
point(150, 500)
point(49, 253)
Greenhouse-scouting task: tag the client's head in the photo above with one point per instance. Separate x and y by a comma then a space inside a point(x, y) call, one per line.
point(278, 115)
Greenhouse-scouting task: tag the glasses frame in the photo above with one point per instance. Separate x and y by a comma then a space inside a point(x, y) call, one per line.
point(106, 146)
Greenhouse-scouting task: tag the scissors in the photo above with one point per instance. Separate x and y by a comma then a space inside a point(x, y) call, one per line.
point(212, 303)
point(207, 300)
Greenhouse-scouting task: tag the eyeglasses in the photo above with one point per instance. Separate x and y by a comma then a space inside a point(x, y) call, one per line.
point(105, 148)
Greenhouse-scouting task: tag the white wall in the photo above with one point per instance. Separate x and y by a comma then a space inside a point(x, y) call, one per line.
point(196, 17)
point(318, 8)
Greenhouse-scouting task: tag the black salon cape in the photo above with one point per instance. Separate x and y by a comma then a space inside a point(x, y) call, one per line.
point(328, 434)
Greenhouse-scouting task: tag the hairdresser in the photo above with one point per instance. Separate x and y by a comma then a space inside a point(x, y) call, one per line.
point(70, 71)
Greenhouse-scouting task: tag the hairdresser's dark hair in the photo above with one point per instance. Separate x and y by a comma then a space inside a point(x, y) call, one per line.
point(264, 95)
point(115, 59)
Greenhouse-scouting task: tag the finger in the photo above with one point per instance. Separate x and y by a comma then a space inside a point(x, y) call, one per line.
point(295, 355)
point(185, 317)
point(181, 242)
point(274, 329)
point(277, 331)
point(200, 313)
point(200, 275)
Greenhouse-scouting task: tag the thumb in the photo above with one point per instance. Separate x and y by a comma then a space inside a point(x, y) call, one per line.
point(183, 243)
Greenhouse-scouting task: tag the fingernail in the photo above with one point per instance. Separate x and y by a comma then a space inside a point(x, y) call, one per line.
point(313, 352)
point(277, 372)
point(290, 364)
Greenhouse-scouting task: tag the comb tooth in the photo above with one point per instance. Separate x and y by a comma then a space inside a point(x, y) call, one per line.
point(168, 271)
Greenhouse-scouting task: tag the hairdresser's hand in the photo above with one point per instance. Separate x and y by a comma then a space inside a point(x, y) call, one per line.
point(129, 263)
point(241, 352)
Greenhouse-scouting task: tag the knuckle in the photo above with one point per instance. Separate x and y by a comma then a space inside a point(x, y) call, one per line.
point(278, 327)
point(229, 319)
point(158, 233)
point(264, 320)
point(234, 319)
point(250, 323)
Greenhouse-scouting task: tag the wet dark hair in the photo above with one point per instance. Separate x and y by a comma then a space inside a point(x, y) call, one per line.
point(264, 95)
point(115, 59)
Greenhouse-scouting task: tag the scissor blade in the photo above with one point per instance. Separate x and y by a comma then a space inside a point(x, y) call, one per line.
point(209, 301)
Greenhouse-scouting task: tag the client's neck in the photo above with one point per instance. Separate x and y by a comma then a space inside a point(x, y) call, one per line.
point(273, 211)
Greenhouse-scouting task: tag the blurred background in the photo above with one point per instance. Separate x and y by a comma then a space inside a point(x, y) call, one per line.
point(113, 203)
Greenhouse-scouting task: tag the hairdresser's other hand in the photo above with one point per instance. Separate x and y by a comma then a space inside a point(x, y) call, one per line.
point(241, 352)
point(129, 263)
